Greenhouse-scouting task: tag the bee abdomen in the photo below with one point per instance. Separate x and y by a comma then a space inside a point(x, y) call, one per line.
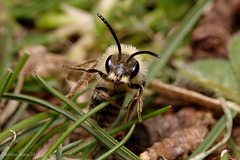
point(108, 114)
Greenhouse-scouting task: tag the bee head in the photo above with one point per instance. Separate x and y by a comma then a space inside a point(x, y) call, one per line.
point(121, 68)
point(121, 71)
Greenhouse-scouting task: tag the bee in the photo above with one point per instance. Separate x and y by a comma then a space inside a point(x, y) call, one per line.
point(120, 69)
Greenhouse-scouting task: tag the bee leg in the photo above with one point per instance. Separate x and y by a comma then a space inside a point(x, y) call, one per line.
point(138, 98)
point(103, 75)
point(92, 64)
point(132, 104)
point(88, 64)
point(102, 91)
point(75, 89)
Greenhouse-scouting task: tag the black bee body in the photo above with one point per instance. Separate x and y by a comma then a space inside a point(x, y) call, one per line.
point(108, 114)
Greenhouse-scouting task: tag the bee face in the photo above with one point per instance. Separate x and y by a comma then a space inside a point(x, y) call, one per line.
point(121, 71)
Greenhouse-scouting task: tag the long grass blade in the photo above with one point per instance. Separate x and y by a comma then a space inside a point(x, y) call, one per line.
point(8, 148)
point(25, 123)
point(120, 128)
point(173, 42)
point(34, 139)
point(16, 71)
point(45, 138)
point(234, 148)
point(104, 137)
point(115, 148)
point(16, 116)
point(73, 127)
point(5, 81)
point(229, 123)
point(38, 101)
point(213, 135)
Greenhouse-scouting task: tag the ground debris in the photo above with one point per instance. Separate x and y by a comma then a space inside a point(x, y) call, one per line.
point(179, 143)
point(160, 127)
point(211, 36)
point(186, 117)
point(43, 62)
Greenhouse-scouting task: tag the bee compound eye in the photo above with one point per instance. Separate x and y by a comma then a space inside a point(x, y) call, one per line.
point(108, 63)
point(135, 70)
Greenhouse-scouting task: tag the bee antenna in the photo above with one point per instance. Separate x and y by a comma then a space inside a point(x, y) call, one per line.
point(142, 52)
point(114, 35)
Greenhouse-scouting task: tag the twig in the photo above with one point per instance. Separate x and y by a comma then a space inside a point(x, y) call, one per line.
point(190, 96)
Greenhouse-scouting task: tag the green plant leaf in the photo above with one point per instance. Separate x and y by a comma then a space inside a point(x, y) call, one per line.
point(216, 71)
point(215, 75)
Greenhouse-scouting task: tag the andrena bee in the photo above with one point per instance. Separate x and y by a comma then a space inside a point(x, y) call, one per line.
point(120, 69)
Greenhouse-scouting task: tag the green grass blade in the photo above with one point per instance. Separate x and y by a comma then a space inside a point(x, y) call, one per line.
point(45, 138)
point(73, 127)
point(234, 49)
point(34, 139)
point(136, 121)
point(120, 128)
point(104, 137)
point(25, 123)
point(8, 148)
point(71, 145)
point(224, 155)
point(59, 152)
point(18, 147)
point(35, 8)
point(234, 148)
point(16, 71)
point(16, 116)
point(227, 135)
point(173, 42)
point(40, 102)
point(5, 81)
point(115, 148)
point(25, 133)
point(6, 45)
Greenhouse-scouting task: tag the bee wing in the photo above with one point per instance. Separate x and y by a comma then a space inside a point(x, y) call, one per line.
point(78, 75)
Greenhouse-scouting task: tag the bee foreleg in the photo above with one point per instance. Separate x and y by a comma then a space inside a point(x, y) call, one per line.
point(101, 91)
point(103, 75)
point(138, 98)
point(75, 89)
